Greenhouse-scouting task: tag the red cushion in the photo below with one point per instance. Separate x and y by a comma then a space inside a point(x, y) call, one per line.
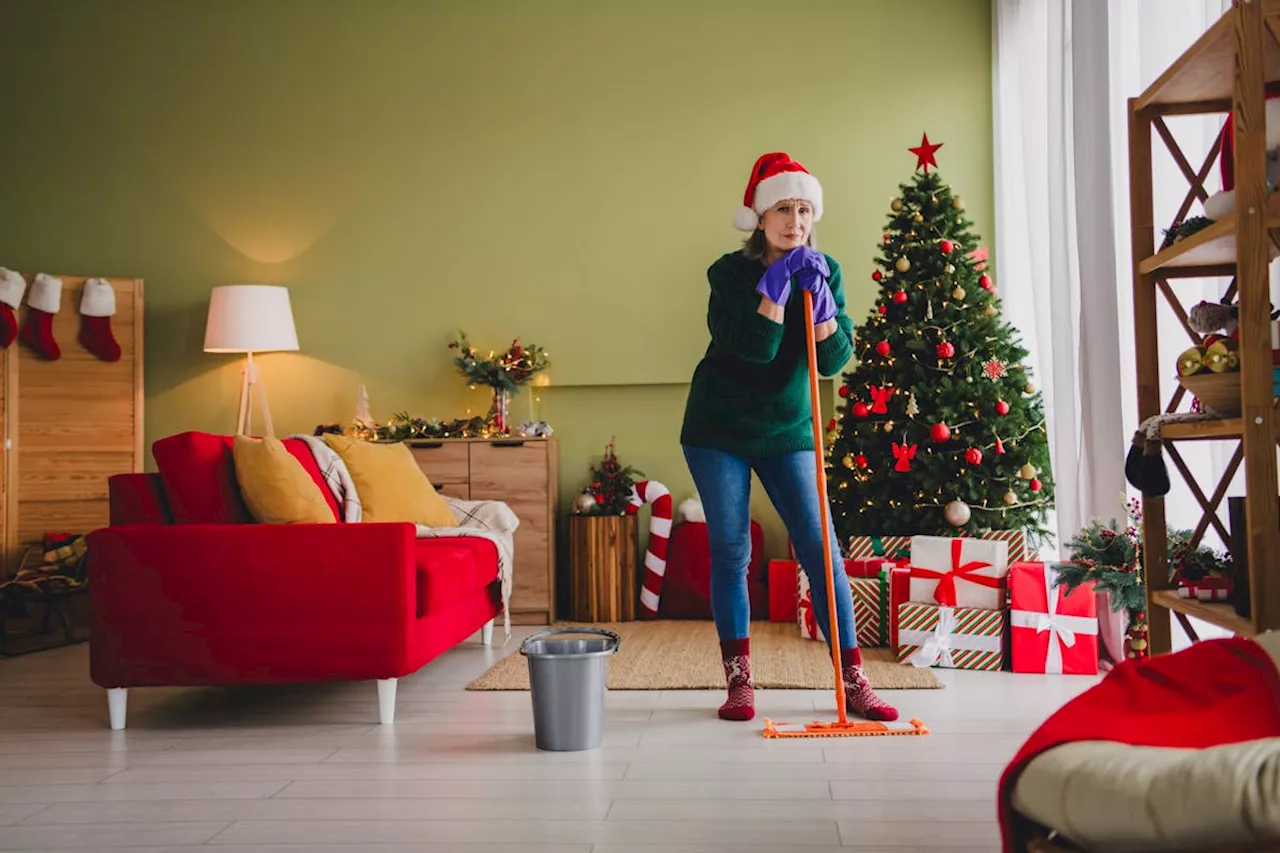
point(686, 586)
point(451, 568)
point(200, 479)
point(199, 476)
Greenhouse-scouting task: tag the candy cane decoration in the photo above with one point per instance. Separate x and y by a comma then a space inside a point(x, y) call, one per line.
point(655, 559)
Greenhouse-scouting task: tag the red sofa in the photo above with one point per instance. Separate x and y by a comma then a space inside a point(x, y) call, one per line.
point(188, 590)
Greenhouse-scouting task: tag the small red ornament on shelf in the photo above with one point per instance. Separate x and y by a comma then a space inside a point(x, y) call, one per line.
point(940, 432)
point(947, 247)
point(860, 409)
point(985, 281)
point(900, 297)
point(883, 348)
point(1002, 407)
point(973, 456)
point(946, 349)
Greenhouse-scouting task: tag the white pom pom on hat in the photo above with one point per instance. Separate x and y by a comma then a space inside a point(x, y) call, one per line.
point(775, 177)
point(691, 510)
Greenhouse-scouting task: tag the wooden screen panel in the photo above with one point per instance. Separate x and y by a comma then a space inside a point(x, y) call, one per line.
point(78, 420)
point(8, 523)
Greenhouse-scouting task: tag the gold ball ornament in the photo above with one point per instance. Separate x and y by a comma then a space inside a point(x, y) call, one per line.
point(848, 461)
point(896, 205)
point(918, 218)
point(1029, 389)
point(584, 503)
point(888, 426)
point(958, 294)
point(1028, 472)
point(957, 513)
point(949, 269)
point(902, 265)
point(1010, 498)
point(957, 203)
point(1138, 645)
point(990, 311)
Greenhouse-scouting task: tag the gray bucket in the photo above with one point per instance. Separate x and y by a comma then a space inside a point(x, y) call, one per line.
point(567, 685)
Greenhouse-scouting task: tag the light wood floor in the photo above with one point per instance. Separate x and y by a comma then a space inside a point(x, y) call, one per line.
point(308, 768)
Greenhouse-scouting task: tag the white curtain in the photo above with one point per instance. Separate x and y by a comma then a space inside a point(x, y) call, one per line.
point(1063, 70)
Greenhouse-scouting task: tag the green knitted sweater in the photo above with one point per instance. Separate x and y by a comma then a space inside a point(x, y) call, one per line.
point(750, 391)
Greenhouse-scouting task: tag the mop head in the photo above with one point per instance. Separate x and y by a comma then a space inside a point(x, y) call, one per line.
point(861, 728)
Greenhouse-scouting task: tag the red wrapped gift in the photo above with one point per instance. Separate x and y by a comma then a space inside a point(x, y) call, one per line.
point(866, 567)
point(1052, 632)
point(784, 598)
point(1206, 589)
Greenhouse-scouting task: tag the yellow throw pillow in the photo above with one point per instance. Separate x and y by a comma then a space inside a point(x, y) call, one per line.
point(390, 484)
point(275, 486)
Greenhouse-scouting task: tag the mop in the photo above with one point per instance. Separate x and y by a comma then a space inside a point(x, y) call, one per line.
point(843, 727)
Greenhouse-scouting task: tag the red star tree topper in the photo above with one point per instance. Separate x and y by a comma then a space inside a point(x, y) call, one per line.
point(924, 154)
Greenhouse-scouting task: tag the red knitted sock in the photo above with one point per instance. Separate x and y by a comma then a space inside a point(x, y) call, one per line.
point(12, 287)
point(97, 307)
point(43, 303)
point(736, 657)
point(858, 695)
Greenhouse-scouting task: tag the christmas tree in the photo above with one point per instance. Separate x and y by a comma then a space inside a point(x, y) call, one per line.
point(939, 430)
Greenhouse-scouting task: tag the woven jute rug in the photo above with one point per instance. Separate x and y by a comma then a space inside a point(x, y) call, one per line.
point(685, 655)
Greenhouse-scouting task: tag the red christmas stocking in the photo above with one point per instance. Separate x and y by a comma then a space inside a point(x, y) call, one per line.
point(42, 304)
point(97, 307)
point(12, 287)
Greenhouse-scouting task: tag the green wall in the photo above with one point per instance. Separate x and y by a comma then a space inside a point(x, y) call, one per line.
point(559, 170)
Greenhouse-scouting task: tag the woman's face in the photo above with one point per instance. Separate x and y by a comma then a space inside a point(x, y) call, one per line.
point(787, 224)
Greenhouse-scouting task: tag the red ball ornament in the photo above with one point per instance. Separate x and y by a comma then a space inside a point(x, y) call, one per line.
point(1002, 407)
point(940, 432)
point(900, 297)
point(831, 425)
point(946, 349)
point(860, 460)
point(883, 348)
point(883, 309)
point(1035, 484)
point(985, 281)
point(877, 276)
point(947, 247)
point(973, 456)
point(844, 391)
point(860, 409)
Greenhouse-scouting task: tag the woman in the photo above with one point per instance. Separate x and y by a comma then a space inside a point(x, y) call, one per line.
point(749, 409)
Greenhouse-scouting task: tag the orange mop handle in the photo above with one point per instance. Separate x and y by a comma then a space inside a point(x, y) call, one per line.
point(824, 506)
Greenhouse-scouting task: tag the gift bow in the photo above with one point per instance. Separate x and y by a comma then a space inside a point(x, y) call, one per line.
point(937, 649)
point(945, 594)
point(1062, 629)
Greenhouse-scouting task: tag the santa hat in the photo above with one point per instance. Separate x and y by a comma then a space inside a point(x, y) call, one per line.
point(776, 177)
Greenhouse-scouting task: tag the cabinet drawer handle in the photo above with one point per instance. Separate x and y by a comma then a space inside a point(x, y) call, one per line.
point(428, 445)
point(513, 442)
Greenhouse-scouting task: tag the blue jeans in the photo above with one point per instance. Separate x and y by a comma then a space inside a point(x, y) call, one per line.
point(723, 481)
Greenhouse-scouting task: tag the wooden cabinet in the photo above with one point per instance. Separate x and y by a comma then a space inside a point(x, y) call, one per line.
point(522, 472)
point(68, 424)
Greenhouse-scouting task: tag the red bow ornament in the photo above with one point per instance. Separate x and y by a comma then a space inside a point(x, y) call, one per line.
point(904, 455)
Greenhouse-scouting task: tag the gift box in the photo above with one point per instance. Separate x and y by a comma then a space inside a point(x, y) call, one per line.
point(1206, 589)
point(784, 600)
point(1051, 632)
point(951, 637)
point(899, 547)
point(958, 572)
point(870, 607)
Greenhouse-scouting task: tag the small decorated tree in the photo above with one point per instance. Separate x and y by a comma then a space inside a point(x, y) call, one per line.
point(610, 490)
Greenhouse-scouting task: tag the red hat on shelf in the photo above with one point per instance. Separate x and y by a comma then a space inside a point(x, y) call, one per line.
point(776, 177)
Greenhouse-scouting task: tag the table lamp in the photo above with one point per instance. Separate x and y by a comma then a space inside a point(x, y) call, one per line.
point(250, 318)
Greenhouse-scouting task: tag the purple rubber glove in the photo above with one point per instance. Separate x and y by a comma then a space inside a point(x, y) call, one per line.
point(806, 258)
point(812, 272)
point(824, 304)
point(775, 284)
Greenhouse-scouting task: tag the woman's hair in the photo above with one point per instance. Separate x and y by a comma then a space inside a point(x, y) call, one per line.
point(755, 245)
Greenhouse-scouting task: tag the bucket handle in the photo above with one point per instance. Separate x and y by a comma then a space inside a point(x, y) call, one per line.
point(553, 632)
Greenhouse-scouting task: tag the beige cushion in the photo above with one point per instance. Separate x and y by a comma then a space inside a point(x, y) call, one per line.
point(1111, 796)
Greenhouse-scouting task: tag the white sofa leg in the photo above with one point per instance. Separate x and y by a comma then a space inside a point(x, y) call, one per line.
point(486, 633)
point(117, 703)
point(386, 701)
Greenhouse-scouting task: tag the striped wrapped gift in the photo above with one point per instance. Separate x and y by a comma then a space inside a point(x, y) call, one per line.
point(870, 609)
point(951, 637)
point(891, 546)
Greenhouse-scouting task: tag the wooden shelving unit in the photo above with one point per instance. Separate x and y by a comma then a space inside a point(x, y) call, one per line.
point(1229, 69)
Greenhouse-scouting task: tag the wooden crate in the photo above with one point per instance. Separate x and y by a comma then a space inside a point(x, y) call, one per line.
point(602, 567)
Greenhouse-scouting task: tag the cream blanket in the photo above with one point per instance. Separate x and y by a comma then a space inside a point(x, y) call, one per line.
point(492, 520)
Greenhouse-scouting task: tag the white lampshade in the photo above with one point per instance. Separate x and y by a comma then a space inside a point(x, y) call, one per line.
point(250, 318)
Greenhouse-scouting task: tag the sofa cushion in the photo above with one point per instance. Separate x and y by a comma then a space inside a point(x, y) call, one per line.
point(199, 477)
point(451, 568)
point(390, 484)
point(274, 484)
